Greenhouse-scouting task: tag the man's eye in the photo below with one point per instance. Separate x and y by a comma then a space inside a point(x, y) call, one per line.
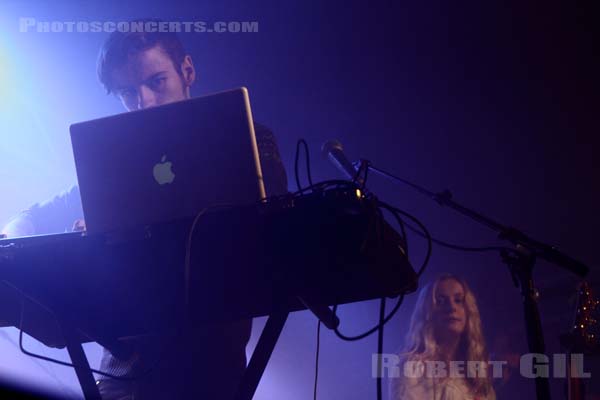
point(157, 83)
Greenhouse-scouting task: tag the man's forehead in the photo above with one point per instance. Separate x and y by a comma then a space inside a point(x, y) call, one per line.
point(142, 65)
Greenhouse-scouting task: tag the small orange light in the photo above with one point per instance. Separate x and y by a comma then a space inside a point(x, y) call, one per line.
point(358, 193)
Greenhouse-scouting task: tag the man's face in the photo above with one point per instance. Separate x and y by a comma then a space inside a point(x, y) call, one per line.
point(149, 78)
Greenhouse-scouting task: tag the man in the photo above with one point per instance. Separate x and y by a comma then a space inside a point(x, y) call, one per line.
point(145, 70)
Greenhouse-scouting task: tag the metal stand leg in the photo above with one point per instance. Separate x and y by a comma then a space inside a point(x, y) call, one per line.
point(260, 357)
point(521, 268)
point(83, 371)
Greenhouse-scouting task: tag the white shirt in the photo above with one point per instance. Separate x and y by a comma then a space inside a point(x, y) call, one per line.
point(433, 389)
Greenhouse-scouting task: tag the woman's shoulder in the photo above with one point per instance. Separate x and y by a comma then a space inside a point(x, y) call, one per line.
point(410, 388)
point(409, 382)
point(458, 389)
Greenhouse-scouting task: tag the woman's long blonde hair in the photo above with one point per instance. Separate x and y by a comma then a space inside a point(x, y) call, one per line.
point(421, 345)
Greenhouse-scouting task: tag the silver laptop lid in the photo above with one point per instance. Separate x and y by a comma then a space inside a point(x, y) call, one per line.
point(167, 162)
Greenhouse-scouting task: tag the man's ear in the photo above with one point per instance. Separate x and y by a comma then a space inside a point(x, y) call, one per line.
point(188, 72)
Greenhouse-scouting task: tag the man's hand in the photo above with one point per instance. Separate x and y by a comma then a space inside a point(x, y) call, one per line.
point(79, 225)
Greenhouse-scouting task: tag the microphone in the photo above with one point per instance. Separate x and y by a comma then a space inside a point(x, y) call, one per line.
point(335, 152)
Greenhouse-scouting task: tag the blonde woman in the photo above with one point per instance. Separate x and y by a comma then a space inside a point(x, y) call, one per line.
point(444, 357)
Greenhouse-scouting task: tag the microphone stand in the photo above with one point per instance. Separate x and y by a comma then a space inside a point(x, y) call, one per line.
point(520, 264)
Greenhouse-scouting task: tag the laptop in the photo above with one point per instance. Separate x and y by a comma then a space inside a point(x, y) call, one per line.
point(167, 162)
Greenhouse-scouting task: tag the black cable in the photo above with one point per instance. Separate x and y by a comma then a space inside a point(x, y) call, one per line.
point(372, 330)
point(422, 227)
point(438, 197)
point(50, 372)
point(339, 183)
point(402, 224)
point(481, 249)
point(450, 245)
point(380, 348)
point(149, 369)
point(296, 159)
point(403, 232)
point(106, 374)
point(317, 358)
point(308, 173)
point(302, 142)
point(66, 364)
point(95, 371)
point(475, 249)
point(394, 212)
point(366, 175)
point(425, 234)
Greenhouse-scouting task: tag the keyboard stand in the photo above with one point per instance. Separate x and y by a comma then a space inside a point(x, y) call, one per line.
point(82, 366)
point(260, 356)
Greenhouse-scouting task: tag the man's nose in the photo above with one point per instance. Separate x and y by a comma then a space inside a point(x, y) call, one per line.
point(146, 98)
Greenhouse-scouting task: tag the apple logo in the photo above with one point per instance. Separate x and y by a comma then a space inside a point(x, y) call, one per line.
point(162, 171)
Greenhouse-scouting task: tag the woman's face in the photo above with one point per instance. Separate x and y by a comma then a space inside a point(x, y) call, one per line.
point(449, 314)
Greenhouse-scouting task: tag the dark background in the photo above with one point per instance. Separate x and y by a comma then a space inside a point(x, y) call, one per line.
point(493, 100)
